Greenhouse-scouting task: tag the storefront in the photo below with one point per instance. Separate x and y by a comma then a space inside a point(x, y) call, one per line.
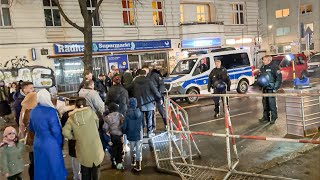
point(132, 55)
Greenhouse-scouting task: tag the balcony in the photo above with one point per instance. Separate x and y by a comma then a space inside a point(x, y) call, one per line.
point(191, 30)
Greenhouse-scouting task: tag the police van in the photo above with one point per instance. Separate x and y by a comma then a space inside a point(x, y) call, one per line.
point(190, 75)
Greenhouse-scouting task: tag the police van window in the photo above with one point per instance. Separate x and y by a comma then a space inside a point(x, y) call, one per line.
point(231, 61)
point(202, 66)
point(184, 66)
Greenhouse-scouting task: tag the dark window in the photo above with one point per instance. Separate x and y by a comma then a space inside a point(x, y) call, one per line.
point(91, 4)
point(51, 13)
point(5, 19)
point(231, 61)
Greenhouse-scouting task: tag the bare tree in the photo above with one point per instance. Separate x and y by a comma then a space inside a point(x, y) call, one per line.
point(86, 30)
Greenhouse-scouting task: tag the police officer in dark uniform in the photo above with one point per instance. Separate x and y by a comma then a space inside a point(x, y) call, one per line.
point(220, 82)
point(273, 74)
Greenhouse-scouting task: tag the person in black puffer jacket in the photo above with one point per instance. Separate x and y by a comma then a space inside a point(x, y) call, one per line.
point(118, 95)
point(146, 94)
point(157, 80)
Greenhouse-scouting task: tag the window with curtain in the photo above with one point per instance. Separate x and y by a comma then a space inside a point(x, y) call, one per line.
point(157, 13)
point(128, 13)
point(237, 13)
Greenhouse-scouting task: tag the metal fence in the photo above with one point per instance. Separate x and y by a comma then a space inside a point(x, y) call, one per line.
point(176, 148)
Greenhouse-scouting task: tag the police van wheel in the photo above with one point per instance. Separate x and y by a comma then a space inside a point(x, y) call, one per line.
point(243, 87)
point(192, 100)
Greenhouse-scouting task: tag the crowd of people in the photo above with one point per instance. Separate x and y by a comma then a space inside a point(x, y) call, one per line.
point(109, 114)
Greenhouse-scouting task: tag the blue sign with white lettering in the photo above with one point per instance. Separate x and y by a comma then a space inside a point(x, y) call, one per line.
point(120, 61)
point(73, 48)
point(198, 43)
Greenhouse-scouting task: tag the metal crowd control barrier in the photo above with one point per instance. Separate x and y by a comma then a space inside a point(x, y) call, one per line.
point(179, 147)
point(170, 147)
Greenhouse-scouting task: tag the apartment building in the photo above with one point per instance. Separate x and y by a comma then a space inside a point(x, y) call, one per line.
point(214, 23)
point(145, 32)
point(290, 26)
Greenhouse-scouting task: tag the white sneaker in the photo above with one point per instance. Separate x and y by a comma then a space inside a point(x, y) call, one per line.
point(120, 166)
point(151, 135)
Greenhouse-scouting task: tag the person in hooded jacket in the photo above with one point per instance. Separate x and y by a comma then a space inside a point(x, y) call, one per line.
point(48, 140)
point(127, 79)
point(156, 78)
point(65, 110)
point(82, 126)
point(133, 128)
point(119, 95)
point(113, 125)
point(146, 94)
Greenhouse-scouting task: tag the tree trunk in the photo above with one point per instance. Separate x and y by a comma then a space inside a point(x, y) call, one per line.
point(87, 54)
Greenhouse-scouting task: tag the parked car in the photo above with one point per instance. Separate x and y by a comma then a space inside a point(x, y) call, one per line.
point(314, 63)
point(301, 66)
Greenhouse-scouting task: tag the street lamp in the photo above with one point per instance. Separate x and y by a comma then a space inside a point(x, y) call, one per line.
point(270, 26)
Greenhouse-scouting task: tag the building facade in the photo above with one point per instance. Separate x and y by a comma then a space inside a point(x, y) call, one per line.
point(211, 23)
point(290, 26)
point(149, 32)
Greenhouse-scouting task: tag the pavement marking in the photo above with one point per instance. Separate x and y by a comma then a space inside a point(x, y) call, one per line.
point(203, 105)
point(214, 120)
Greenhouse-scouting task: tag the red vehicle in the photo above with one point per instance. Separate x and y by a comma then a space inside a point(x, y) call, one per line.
point(301, 66)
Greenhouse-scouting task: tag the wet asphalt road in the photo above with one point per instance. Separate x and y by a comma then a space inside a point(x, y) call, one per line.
point(245, 113)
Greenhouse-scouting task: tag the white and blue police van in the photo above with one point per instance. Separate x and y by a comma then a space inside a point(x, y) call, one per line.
point(191, 75)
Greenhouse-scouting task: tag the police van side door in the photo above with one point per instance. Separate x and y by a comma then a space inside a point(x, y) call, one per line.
point(202, 71)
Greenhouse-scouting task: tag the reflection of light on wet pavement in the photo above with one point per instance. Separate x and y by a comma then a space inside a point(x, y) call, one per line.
point(214, 120)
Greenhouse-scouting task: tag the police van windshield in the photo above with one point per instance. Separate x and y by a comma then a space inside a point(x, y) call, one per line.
point(184, 66)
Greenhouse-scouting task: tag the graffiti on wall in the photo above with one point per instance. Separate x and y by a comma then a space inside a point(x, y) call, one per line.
point(13, 71)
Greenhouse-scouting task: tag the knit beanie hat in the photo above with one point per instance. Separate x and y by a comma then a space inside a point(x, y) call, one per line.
point(9, 130)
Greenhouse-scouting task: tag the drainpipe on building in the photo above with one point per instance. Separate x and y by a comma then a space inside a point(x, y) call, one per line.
point(299, 27)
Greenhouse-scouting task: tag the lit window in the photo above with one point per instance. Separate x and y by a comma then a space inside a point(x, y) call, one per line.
point(181, 14)
point(237, 13)
point(305, 9)
point(201, 14)
point(157, 13)
point(310, 25)
point(91, 5)
point(282, 13)
point(128, 13)
point(51, 13)
point(5, 19)
point(283, 31)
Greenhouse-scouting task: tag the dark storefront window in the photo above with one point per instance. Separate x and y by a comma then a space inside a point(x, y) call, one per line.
point(68, 72)
point(155, 60)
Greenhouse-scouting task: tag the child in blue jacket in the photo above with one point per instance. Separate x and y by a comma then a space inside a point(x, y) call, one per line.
point(133, 128)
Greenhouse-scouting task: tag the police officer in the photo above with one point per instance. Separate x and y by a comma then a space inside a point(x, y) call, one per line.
point(273, 73)
point(220, 82)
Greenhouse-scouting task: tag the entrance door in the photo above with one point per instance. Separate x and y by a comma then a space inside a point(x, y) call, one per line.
point(155, 60)
point(133, 62)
